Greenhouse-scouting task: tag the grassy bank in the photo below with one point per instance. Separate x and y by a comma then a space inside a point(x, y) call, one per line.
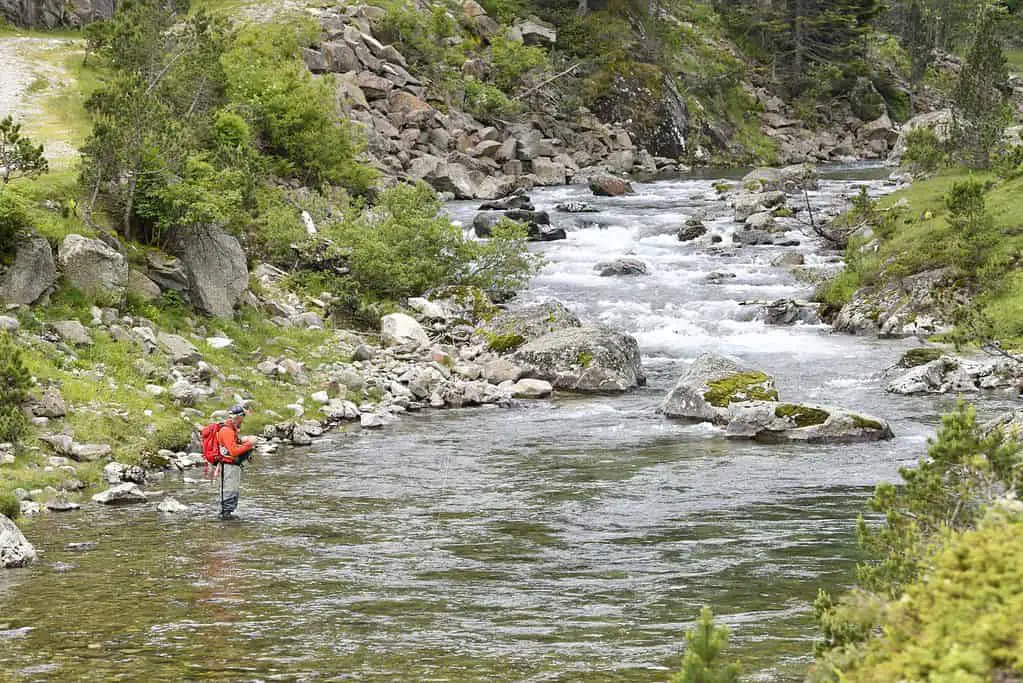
point(915, 234)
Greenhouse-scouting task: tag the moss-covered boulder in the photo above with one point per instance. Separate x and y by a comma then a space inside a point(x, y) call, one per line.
point(509, 330)
point(711, 384)
point(784, 422)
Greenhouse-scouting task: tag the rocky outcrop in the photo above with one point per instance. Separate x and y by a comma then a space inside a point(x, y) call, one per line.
point(93, 268)
point(32, 273)
point(15, 550)
point(215, 266)
point(940, 122)
point(711, 384)
point(723, 391)
point(55, 13)
point(951, 374)
point(910, 306)
point(587, 359)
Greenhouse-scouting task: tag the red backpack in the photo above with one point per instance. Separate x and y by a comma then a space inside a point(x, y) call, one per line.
point(211, 447)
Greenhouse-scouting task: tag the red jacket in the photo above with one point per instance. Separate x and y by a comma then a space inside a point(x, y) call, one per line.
point(230, 449)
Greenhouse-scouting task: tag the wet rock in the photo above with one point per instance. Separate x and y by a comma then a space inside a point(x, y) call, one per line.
point(61, 505)
point(621, 266)
point(171, 506)
point(515, 201)
point(398, 329)
point(31, 274)
point(93, 268)
point(122, 494)
point(774, 422)
point(73, 332)
point(949, 374)
point(528, 323)
point(547, 235)
point(15, 550)
point(789, 258)
point(693, 229)
point(747, 205)
point(531, 388)
point(586, 359)
point(711, 384)
point(576, 207)
point(788, 312)
point(609, 186)
point(299, 437)
point(374, 420)
point(790, 179)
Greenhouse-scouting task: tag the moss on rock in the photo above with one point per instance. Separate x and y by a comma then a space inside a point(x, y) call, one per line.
point(866, 423)
point(803, 416)
point(502, 343)
point(919, 356)
point(742, 386)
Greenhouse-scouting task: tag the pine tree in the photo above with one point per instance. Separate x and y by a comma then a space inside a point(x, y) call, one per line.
point(701, 663)
point(980, 101)
point(15, 381)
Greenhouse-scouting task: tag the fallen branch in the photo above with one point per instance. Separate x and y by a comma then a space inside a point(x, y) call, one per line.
point(546, 82)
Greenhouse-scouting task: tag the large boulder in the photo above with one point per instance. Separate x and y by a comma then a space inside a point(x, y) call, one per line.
point(15, 550)
point(52, 14)
point(588, 359)
point(906, 307)
point(949, 374)
point(32, 273)
point(122, 494)
point(771, 421)
point(215, 265)
point(609, 186)
point(93, 268)
point(621, 266)
point(712, 383)
point(511, 329)
point(747, 205)
point(791, 179)
point(940, 122)
point(180, 350)
point(532, 31)
point(398, 329)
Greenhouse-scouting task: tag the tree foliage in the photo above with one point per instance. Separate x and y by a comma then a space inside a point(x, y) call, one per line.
point(15, 382)
point(702, 662)
point(19, 156)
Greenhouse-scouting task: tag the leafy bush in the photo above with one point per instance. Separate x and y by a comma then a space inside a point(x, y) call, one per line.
point(15, 382)
point(925, 153)
point(293, 112)
point(9, 505)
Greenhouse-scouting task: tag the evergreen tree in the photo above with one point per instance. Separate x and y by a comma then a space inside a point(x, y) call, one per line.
point(980, 101)
point(702, 663)
point(19, 156)
point(15, 381)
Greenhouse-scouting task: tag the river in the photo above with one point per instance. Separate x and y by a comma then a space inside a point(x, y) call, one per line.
point(566, 540)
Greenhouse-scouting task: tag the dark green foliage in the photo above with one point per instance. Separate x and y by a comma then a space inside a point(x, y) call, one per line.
point(13, 220)
point(980, 99)
point(171, 436)
point(9, 505)
point(925, 153)
point(973, 229)
point(803, 416)
point(15, 382)
point(502, 343)
point(702, 662)
point(966, 469)
point(19, 156)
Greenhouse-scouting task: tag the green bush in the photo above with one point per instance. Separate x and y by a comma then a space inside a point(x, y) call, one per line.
point(15, 382)
point(487, 101)
point(291, 111)
point(172, 436)
point(925, 153)
point(512, 60)
point(9, 506)
point(13, 219)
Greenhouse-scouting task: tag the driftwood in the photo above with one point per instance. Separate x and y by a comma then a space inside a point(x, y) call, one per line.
point(547, 82)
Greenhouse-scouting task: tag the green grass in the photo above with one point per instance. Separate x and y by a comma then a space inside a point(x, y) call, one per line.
point(1014, 56)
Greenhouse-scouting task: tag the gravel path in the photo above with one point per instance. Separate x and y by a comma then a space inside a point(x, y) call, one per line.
point(20, 67)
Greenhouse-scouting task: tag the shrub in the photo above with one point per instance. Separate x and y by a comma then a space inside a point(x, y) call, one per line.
point(974, 232)
point(13, 219)
point(512, 60)
point(504, 342)
point(15, 382)
point(486, 101)
point(925, 153)
point(9, 506)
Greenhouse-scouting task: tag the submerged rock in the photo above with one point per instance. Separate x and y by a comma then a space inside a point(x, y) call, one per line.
point(621, 266)
point(587, 359)
point(171, 506)
point(122, 494)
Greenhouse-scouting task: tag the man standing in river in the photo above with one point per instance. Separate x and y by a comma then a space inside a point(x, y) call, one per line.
point(232, 455)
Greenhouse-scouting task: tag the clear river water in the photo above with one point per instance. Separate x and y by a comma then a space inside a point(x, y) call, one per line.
point(566, 540)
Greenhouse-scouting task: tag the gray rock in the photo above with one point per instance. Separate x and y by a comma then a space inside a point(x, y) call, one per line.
point(31, 275)
point(113, 471)
point(374, 420)
point(185, 393)
point(711, 384)
point(166, 272)
point(51, 14)
point(609, 186)
point(73, 332)
point(531, 388)
point(398, 329)
point(142, 287)
point(534, 32)
point(363, 353)
point(530, 322)
point(171, 506)
point(940, 122)
point(60, 443)
point(122, 494)
point(587, 359)
point(299, 437)
point(89, 452)
point(693, 229)
point(576, 207)
point(747, 205)
point(15, 550)
point(621, 266)
point(788, 312)
point(760, 221)
point(501, 370)
point(901, 307)
point(773, 422)
point(215, 265)
point(789, 258)
point(51, 404)
point(9, 325)
point(180, 350)
point(93, 268)
point(791, 179)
